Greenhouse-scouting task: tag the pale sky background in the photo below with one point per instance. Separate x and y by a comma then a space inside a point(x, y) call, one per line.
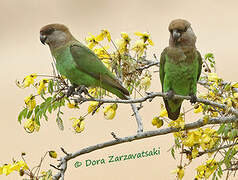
point(214, 22)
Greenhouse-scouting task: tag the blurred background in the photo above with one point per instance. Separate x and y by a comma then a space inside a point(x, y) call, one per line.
point(214, 22)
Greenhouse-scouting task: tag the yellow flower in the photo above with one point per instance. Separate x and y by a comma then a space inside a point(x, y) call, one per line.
point(28, 80)
point(208, 139)
point(30, 102)
point(235, 95)
point(204, 171)
point(30, 126)
point(102, 53)
point(145, 37)
point(179, 134)
point(7, 169)
point(178, 123)
point(126, 37)
point(194, 152)
point(78, 124)
point(19, 165)
point(205, 119)
point(93, 92)
point(104, 33)
point(53, 154)
point(42, 86)
point(107, 63)
point(91, 41)
point(139, 47)
point(72, 105)
point(180, 172)
point(163, 113)
point(199, 109)
point(212, 77)
point(123, 43)
point(93, 106)
point(1, 168)
point(110, 111)
point(157, 122)
point(145, 82)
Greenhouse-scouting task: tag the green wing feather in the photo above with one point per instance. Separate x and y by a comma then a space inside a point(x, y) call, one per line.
point(88, 62)
point(161, 67)
point(200, 64)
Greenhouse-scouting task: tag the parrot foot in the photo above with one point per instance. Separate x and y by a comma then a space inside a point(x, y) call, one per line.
point(169, 94)
point(193, 99)
point(70, 91)
point(83, 89)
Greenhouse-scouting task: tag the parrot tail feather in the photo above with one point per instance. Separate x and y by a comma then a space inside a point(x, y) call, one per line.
point(172, 114)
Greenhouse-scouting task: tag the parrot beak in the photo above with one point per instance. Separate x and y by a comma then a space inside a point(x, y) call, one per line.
point(43, 39)
point(176, 35)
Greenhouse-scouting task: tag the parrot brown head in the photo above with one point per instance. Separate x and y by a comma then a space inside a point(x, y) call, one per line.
point(181, 33)
point(55, 35)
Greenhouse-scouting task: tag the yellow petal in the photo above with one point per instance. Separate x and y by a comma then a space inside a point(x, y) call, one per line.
point(150, 42)
point(110, 111)
point(199, 109)
point(212, 77)
point(235, 85)
point(163, 113)
point(138, 34)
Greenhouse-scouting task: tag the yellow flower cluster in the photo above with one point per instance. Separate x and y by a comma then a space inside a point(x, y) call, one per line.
point(78, 124)
point(204, 171)
point(92, 40)
point(110, 111)
point(158, 120)
point(204, 138)
point(145, 82)
point(30, 126)
point(92, 106)
point(180, 172)
point(16, 166)
point(178, 123)
point(141, 45)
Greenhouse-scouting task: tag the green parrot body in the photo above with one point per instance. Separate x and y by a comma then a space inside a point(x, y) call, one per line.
point(180, 68)
point(78, 63)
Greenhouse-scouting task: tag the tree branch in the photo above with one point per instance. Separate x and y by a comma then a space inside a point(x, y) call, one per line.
point(151, 96)
point(143, 135)
point(138, 118)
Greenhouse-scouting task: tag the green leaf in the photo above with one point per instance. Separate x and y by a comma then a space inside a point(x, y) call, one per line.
point(232, 134)
point(172, 153)
point(51, 86)
point(60, 123)
point(29, 114)
point(219, 172)
point(221, 129)
point(37, 120)
point(22, 114)
point(42, 93)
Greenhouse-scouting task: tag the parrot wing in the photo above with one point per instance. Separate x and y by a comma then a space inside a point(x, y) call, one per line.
point(88, 62)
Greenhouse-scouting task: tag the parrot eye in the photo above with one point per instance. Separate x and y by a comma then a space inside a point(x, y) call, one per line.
point(49, 31)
